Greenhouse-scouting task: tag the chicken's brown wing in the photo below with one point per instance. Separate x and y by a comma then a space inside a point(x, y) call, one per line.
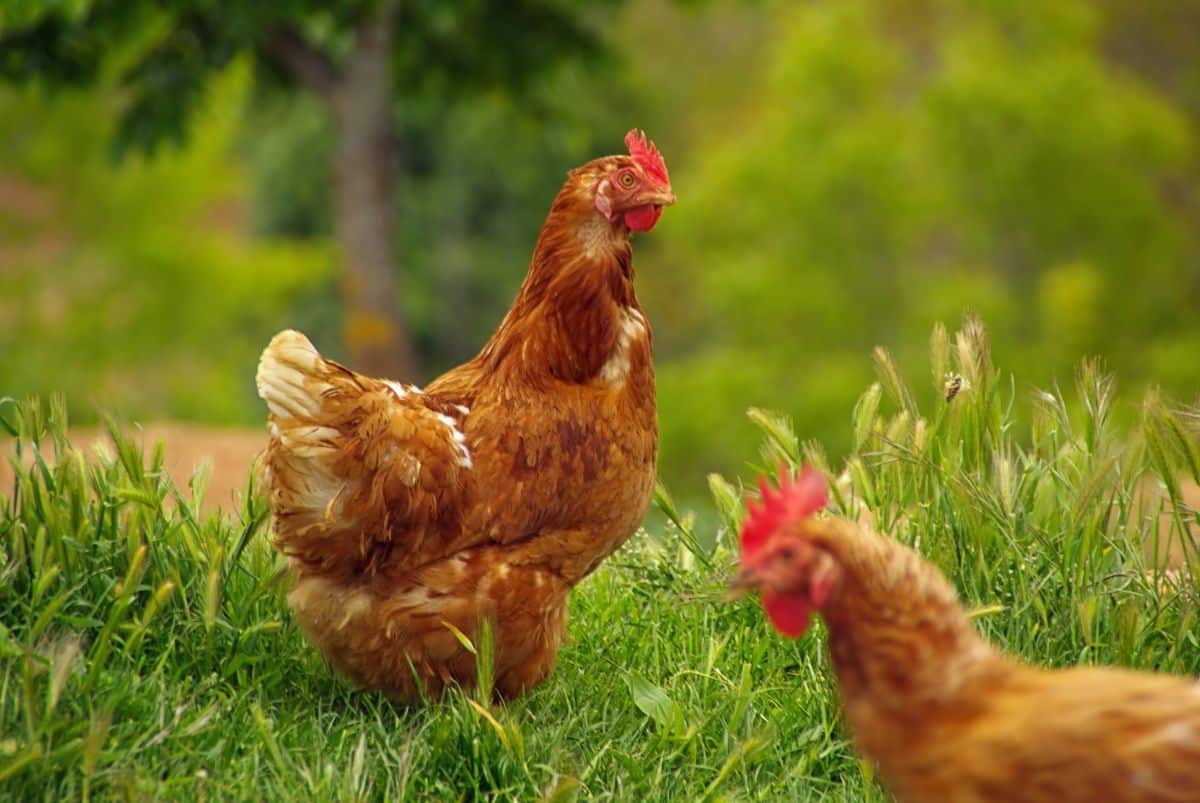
point(364, 474)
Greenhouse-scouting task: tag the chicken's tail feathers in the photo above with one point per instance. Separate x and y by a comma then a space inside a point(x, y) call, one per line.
point(292, 376)
point(354, 462)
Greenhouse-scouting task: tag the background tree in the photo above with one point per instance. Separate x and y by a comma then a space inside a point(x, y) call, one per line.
point(368, 62)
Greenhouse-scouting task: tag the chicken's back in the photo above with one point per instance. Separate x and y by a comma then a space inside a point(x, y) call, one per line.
point(1054, 736)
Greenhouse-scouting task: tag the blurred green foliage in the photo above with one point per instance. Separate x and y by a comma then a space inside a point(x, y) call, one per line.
point(135, 288)
point(165, 55)
point(849, 173)
point(904, 163)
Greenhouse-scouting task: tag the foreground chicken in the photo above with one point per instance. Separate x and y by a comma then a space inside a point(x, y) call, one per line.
point(944, 715)
point(411, 514)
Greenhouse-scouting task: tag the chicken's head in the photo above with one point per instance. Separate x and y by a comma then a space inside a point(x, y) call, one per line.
point(794, 575)
point(633, 189)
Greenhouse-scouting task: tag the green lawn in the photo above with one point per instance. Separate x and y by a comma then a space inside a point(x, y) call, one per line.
point(146, 652)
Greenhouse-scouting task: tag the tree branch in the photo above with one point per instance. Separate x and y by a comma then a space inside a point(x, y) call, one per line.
point(306, 62)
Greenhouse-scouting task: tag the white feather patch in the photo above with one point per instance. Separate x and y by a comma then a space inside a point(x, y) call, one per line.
point(597, 237)
point(1181, 733)
point(462, 454)
point(402, 390)
point(632, 327)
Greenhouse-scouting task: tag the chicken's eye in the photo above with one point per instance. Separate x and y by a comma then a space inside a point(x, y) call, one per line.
point(626, 180)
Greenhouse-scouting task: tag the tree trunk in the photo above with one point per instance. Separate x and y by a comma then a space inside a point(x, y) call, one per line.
point(364, 175)
point(358, 96)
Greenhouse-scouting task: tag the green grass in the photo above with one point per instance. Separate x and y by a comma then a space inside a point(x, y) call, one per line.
point(146, 651)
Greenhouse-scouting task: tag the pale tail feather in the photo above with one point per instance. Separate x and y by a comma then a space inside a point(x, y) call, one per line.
point(290, 377)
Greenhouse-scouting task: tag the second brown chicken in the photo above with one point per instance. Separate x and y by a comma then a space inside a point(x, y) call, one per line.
point(946, 716)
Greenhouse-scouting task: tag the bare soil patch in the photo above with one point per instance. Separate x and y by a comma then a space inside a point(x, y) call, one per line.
point(228, 452)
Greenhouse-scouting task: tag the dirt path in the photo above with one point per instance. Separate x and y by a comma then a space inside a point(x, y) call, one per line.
point(229, 453)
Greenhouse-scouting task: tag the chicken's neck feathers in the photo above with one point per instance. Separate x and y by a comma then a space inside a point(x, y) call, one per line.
point(897, 629)
point(566, 319)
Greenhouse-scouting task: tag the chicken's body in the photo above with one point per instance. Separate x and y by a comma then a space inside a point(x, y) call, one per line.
point(948, 718)
point(413, 514)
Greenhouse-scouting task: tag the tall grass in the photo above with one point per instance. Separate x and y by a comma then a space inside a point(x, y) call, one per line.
point(146, 651)
point(1051, 535)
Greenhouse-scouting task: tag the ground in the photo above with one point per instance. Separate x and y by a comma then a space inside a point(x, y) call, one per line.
point(228, 452)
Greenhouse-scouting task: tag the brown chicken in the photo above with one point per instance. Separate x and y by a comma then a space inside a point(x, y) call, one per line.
point(411, 514)
point(944, 715)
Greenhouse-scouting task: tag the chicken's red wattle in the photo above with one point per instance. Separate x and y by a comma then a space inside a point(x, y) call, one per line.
point(643, 218)
point(790, 613)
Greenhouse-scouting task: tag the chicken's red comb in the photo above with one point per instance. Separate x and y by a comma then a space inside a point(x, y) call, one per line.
point(646, 155)
point(796, 499)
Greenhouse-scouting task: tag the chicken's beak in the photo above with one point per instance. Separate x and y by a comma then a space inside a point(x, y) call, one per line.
point(657, 198)
point(745, 581)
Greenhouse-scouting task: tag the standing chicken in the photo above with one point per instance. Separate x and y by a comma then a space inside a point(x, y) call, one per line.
point(411, 514)
point(944, 715)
